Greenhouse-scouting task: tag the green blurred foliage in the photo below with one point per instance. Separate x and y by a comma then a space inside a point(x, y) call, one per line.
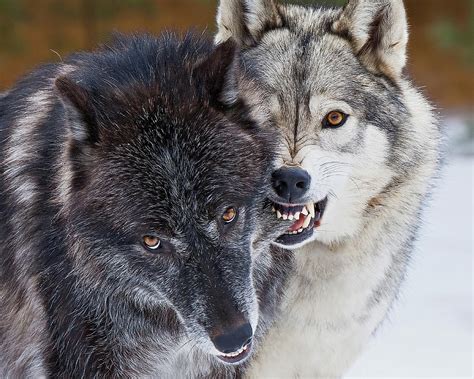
point(449, 34)
point(35, 31)
point(107, 9)
point(11, 11)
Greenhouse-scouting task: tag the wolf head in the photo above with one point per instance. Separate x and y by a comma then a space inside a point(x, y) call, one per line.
point(161, 191)
point(330, 81)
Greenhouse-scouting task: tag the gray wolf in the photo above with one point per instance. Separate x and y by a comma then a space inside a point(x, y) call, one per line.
point(359, 149)
point(129, 217)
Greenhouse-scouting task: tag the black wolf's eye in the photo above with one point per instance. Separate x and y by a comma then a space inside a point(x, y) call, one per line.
point(334, 119)
point(229, 215)
point(152, 242)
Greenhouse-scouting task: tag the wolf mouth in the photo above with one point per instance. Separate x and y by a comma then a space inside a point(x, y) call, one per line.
point(236, 356)
point(307, 217)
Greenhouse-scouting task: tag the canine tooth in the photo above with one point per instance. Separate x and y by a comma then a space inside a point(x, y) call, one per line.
point(278, 214)
point(297, 215)
point(305, 211)
point(306, 222)
point(311, 209)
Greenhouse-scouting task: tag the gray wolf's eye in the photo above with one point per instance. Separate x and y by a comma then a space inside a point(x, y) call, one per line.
point(229, 215)
point(335, 119)
point(151, 242)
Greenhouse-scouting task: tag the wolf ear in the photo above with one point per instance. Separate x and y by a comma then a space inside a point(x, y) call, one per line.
point(378, 31)
point(80, 111)
point(212, 73)
point(246, 20)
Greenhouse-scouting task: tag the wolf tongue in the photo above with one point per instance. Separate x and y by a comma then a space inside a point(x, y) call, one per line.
point(298, 224)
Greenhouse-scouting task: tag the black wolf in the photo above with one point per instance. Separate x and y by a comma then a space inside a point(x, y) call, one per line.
point(128, 216)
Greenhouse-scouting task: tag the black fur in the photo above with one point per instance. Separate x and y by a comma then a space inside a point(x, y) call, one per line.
point(99, 151)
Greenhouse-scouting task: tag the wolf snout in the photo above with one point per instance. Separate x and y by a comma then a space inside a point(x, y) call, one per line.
point(291, 183)
point(234, 342)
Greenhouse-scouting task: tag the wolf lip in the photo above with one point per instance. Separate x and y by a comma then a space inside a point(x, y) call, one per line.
point(237, 356)
point(307, 217)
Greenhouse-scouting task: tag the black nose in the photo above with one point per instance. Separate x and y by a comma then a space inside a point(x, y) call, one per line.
point(291, 183)
point(232, 340)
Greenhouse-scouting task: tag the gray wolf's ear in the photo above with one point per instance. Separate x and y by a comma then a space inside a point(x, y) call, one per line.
point(246, 20)
point(378, 31)
point(80, 110)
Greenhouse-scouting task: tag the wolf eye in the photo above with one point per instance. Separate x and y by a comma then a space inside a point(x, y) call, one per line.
point(334, 119)
point(152, 242)
point(229, 215)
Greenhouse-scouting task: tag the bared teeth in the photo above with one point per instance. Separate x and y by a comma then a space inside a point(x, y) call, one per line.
point(311, 213)
point(294, 213)
point(310, 207)
point(307, 220)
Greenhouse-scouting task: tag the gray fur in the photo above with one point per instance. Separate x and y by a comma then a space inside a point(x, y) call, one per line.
point(376, 170)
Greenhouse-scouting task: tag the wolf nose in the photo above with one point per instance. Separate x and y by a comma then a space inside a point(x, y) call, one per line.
point(234, 339)
point(291, 183)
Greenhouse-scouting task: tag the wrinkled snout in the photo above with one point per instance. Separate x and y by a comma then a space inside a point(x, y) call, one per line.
point(291, 184)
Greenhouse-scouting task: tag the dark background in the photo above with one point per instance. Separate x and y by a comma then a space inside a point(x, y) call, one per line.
point(34, 31)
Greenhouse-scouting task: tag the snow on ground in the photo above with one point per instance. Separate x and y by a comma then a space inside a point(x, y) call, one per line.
point(429, 333)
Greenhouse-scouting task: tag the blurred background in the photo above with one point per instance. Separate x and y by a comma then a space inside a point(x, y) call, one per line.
point(430, 332)
point(34, 31)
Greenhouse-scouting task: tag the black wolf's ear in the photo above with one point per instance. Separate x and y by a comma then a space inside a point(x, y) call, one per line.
point(246, 20)
point(378, 31)
point(212, 73)
point(81, 113)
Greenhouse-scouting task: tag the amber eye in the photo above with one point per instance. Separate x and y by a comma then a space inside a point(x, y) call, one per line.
point(229, 215)
point(334, 119)
point(152, 242)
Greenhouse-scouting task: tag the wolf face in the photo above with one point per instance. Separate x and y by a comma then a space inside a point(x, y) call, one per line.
point(172, 203)
point(143, 201)
point(359, 148)
point(330, 82)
